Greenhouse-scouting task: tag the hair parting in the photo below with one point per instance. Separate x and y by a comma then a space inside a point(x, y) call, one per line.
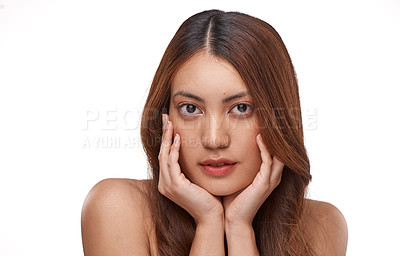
point(259, 55)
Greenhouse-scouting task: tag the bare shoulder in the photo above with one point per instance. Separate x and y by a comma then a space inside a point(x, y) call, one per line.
point(326, 227)
point(114, 218)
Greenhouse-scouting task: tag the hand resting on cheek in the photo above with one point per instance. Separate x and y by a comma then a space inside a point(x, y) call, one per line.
point(237, 209)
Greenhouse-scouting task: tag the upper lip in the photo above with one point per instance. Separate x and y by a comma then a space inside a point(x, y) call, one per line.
point(217, 161)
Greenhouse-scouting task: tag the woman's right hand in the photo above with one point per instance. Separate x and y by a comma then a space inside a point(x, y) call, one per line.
point(173, 184)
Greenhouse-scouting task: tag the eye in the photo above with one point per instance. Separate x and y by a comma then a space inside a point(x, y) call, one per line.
point(189, 109)
point(241, 109)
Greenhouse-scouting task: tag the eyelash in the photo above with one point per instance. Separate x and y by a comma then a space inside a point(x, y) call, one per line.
point(249, 109)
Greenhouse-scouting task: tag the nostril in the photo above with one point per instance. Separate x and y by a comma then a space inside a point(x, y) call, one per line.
point(215, 141)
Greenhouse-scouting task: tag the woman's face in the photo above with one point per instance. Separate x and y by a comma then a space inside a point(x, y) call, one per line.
point(213, 113)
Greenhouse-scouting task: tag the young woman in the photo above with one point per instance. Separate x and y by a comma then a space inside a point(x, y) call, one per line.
point(223, 135)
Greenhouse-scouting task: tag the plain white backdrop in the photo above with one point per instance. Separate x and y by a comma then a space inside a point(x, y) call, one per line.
point(74, 77)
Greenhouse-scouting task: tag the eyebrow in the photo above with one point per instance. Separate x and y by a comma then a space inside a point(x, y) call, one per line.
point(226, 100)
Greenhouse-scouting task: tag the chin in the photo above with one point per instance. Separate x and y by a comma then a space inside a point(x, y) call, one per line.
point(223, 188)
point(221, 192)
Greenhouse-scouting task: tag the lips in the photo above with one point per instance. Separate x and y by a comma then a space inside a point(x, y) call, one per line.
point(219, 161)
point(218, 167)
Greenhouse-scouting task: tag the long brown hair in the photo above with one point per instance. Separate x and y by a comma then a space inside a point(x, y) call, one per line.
point(259, 55)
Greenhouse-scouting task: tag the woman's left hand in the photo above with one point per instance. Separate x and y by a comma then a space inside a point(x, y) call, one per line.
point(241, 207)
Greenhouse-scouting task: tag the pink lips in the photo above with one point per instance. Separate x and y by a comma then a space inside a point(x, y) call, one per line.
point(218, 167)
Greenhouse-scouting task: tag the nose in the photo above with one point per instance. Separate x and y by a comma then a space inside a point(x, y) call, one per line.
point(215, 132)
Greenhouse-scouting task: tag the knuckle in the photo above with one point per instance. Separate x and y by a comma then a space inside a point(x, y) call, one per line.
point(162, 145)
point(170, 163)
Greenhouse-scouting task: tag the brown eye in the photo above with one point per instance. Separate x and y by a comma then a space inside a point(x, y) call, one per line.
point(189, 109)
point(241, 109)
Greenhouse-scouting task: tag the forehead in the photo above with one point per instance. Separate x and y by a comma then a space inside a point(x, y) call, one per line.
point(205, 74)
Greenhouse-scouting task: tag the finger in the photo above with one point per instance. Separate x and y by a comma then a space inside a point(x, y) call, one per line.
point(174, 168)
point(164, 151)
point(276, 170)
point(265, 155)
point(167, 136)
point(265, 168)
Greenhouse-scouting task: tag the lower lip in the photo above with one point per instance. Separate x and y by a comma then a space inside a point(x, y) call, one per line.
point(220, 170)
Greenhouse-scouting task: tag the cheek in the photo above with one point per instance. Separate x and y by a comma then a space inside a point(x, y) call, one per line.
point(246, 147)
point(189, 150)
point(250, 150)
point(252, 162)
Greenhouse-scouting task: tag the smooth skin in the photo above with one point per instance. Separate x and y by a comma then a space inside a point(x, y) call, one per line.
point(116, 219)
point(214, 114)
point(232, 215)
point(211, 106)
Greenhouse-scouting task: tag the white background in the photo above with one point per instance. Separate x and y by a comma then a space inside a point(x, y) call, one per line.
point(65, 62)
